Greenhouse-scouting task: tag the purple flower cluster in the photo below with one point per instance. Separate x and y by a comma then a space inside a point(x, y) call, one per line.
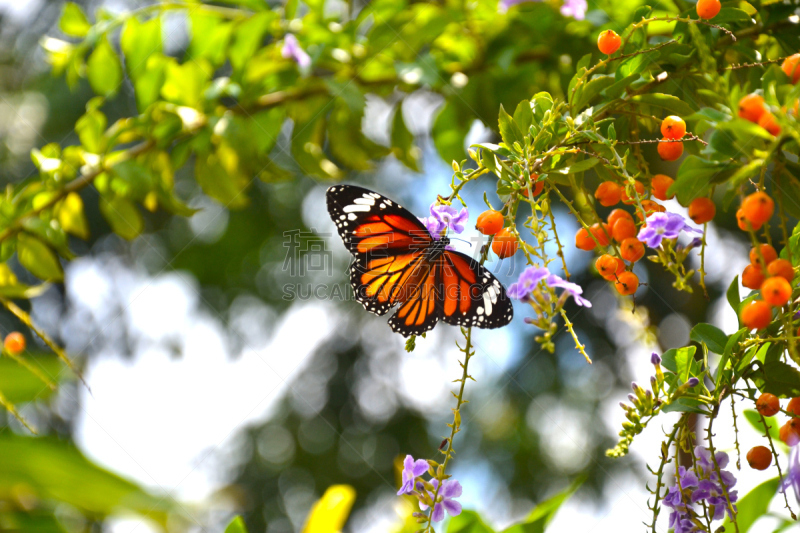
point(703, 486)
point(530, 278)
point(445, 500)
point(445, 217)
point(662, 226)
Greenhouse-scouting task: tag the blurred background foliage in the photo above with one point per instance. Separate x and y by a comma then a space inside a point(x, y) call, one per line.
point(190, 109)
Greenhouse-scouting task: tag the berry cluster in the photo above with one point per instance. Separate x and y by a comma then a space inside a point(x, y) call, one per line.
point(672, 129)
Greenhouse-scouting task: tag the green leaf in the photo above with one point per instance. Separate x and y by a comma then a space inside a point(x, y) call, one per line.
point(732, 294)
point(468, 522)
point(754, 504)
point(19, 384)
point(523, 116)
point(509, 131)
point(789, 187)
point(731, 14)
point(247, 38)
point(449, 131)
point(139, 41)
point(695, 177)
point(123, 216)
point(713, 337)
point(185, 83)
point(56, 471)
point(210, 36)
point(218, 176)
point(73, 21)
point(781, 379)
point(672, 104)
point(586, 92)
point(403, 146)
point(91, 128)
point(104, 69)
point(38, 258)
point(680, 361)
point(542, 514)
point(236, 525)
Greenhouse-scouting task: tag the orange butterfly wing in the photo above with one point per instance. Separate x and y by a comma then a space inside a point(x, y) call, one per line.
point(397, 262)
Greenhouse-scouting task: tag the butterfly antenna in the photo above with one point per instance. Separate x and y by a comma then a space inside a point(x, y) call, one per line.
point(462, 240)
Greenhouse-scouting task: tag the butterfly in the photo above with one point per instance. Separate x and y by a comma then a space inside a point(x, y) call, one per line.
point(398, 263)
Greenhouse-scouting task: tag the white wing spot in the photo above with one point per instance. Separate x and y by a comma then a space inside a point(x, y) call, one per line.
point(351, 216)
point(355, 207)
point(487, 303)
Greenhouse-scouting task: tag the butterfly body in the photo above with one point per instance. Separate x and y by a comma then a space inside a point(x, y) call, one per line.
point(398, 263)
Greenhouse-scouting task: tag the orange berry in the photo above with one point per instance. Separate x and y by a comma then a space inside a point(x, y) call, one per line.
point(504, 244)
point(768, 404)
point(584, 241)
point(659, 185)
point(767, 252)
point(756, 315)
point(14, 343)
point(776, 291)
point(791, 66)
point(537, 186)
point(609, 266)
point(631, 249)
point(608, 42)
point(618, 214)
point(753, 277)
point(601, 233)
point(671, 150)
point(627, 199)
point(673, 127)
point(744, 224)
point(782, 268)
point(768, 122)
point(627, 283)
point(751, 107)
point(790, 432)
point(794, 407)
point(489, 222)
point(759, 457)
point(702, 210)
point(708, 9)
point(622, 229)
point(758, 208)
point(608, 193)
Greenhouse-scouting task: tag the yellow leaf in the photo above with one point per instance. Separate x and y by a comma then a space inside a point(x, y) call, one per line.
point(71, 216)
point(330, 512)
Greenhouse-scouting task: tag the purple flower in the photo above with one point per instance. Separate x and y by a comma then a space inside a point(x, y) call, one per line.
point(793, 475)
point(445, 501)
point(527, 282)
point(655, 359)
point(704, 458)
point(693, 382)
point(530, 278)
point(411, 470)
point(434, 226)
point(574, 8)
point(573, 289)
point(662, 226)
point(291, 49)
point(449, 217)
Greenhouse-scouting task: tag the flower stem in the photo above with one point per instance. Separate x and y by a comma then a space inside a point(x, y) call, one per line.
point(455, 427)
